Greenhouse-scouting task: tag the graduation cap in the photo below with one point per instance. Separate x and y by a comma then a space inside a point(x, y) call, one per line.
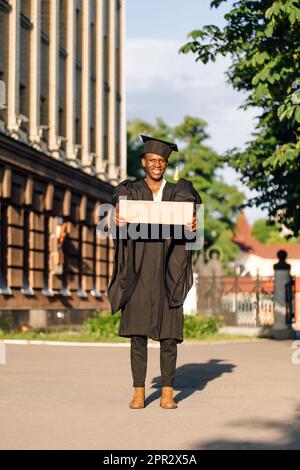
point(158, 146)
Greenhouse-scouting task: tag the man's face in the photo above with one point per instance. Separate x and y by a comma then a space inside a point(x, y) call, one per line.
point(155, 165)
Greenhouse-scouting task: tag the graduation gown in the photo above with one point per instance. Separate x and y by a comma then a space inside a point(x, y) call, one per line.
point(151, 278)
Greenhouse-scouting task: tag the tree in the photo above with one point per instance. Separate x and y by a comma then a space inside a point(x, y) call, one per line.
point(200, 164)
point(270, 234)
point(263, 40)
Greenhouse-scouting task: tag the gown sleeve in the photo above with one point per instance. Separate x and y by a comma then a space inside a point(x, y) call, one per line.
point(115, 287)
point(179, 273)
point(120, 190)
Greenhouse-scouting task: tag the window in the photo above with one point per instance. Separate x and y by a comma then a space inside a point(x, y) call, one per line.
point(25, 283)
point(94, 291)
point(25, 8)
point(3, 250)
point(46, 251)
point(63, 23)
point(45, 17)
point(78, 35)
point(24, 73)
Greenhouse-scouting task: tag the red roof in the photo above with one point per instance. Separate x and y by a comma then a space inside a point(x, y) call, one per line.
point(244, 238)
point(248, 284)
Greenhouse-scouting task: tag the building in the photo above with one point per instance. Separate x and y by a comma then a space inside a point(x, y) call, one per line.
point(259, 258)
point(248, 297)
point(62, 150)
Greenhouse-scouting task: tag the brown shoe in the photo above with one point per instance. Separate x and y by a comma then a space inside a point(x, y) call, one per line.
point(138, 400)
point(167, 400)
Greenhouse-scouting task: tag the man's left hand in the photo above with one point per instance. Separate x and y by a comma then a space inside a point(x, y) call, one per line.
point(192, 226)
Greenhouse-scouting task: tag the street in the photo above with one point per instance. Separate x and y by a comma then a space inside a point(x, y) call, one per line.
point(240, 395)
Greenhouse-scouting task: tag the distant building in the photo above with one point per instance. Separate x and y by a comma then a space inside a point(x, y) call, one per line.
point(256, 257)
point(62, 149)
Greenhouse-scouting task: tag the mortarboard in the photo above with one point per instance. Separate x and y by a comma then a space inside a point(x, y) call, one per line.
point(158, 146)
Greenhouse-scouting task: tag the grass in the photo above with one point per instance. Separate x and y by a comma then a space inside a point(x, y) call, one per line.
point(70, 336)
point(103, 327)
point(74, 336)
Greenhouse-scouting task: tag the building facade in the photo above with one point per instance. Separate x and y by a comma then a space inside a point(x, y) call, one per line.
point(259, 258)
point(62, 150)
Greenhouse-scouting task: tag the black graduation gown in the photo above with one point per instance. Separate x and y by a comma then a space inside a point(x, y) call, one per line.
point(151, 278)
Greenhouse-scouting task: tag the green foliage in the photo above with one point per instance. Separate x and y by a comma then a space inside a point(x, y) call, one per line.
point(60, 335)
point(194, 326)
point(6, 321)
point(263, 40)
point(269, 233)
point(197, 326)
point(103, 325)
point(263, 232)
point(199, 164)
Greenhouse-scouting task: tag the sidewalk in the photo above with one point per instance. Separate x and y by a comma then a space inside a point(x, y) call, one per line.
point(230, 396)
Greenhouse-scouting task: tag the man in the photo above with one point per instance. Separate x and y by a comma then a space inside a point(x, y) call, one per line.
point(151, 278)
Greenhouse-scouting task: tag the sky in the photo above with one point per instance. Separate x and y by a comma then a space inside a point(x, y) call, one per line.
point(160, 82)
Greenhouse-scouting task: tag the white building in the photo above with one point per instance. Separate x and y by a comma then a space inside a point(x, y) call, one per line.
point(258, 258)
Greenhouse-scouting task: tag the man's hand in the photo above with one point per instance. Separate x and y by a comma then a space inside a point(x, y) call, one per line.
point(119, 221)
point(192, 226)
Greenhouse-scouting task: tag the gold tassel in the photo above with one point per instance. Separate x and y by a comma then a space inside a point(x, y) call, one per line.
point(176, 172)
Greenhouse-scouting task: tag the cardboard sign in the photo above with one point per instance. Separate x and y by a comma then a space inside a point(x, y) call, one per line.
point(156, 212)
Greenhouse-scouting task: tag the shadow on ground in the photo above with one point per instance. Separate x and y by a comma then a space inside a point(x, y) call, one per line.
point(192, 377)
point(289, 436)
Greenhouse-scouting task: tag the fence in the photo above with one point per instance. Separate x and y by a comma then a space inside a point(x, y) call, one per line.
point(242, 301)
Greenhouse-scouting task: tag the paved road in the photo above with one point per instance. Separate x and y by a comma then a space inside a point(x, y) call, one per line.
point(230, 395)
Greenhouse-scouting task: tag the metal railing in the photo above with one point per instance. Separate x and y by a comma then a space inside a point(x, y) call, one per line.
point(241, 301)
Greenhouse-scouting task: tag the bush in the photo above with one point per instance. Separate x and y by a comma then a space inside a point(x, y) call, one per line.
point(105, 325)
point(197, 326)
point(6, 322)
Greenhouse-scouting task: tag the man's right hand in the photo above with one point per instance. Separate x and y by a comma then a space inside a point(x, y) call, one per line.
point(119, 221)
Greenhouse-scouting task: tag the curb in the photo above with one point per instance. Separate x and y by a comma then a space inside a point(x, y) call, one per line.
point(24, 342)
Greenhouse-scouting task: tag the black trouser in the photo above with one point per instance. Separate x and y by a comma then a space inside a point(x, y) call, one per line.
point(138, 356)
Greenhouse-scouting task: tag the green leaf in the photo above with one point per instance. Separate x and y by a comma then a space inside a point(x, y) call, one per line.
point(297, 114)
point(186, 48)
point(261, 91)
point(270, 11)
point(255, 79)
point(282, 115)
point(281, 112)
point(290, 111)
point(196, 33)
point(261, 58)
point(292, 18)
point(270, 29)
point(296, 97)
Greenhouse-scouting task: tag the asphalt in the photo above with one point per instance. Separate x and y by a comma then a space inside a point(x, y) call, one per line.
point(241, 395)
